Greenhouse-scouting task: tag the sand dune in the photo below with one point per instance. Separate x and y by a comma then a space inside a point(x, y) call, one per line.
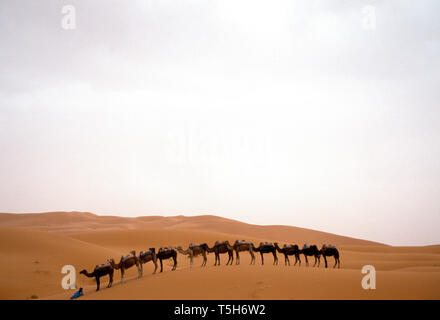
point(84, 221)
point(272, 282)
point(268, 282)
point(31, 261)
point(34, 247)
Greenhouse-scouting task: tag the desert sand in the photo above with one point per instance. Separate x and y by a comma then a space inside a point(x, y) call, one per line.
point(34, 248)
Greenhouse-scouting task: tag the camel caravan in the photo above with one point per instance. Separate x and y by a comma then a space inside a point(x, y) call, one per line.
point(195, 250)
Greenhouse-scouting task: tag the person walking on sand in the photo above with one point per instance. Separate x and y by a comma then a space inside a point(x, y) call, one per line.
point(78, 294)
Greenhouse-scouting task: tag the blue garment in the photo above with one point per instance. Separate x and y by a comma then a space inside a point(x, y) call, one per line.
point(77, 294)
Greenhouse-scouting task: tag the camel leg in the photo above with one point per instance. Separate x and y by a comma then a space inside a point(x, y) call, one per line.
point(204, 259)
point(275, 259)
point(155, 265)
point(252, 257)
point(237, 258)
point(161, 265)
point(262, 259)
point(122, 273)
point(97, 283)
point(307, 260)
point(142, 268)
point(175, 264)
point(336, 262)
point(140, 271)
point(111, 280)
point(325, 260)
point(316, 260)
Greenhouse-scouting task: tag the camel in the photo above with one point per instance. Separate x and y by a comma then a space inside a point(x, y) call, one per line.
point(125, 263)
point(266, 247)
point(311, 251)
point(244, 246)
point(193, 251)
point(329, 251)
point(289, 250)
point(222, 247)
point(100, 271)
point(167, 253)
point(147, 256)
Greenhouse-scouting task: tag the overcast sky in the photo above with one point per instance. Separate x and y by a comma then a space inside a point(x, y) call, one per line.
point(318, 114)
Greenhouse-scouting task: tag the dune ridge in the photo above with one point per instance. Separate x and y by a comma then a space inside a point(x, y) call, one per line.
point(86, 221)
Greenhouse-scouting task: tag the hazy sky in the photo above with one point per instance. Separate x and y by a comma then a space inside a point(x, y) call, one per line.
point(318, 114)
